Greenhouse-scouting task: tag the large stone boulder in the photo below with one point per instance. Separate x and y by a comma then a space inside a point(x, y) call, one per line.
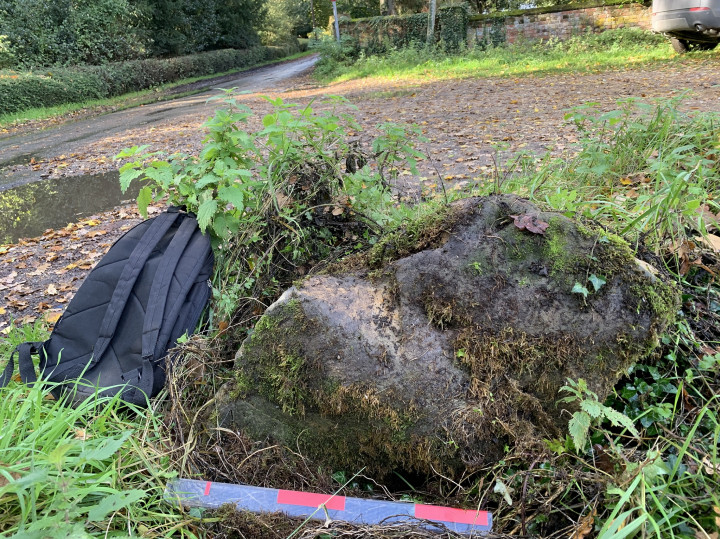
point(448, 341)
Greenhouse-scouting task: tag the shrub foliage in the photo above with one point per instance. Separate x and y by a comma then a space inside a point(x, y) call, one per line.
point(65, 32)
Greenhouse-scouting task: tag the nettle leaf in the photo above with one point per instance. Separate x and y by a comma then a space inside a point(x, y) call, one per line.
point(130, 152)
point(592, 407)
point(220, 167)
point(220, 226)
point(618, 419)
point(597, 282)
point(234, 195)
point(144, 199)
point(127, 175)
point(206, 180)
point(206, 212)
point(57, 455)
point(161, 173)
point(268, 120)
point(578, 427)
point(580, 289)
point(105, 449)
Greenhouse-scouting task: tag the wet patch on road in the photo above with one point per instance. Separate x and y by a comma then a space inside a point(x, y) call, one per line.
point(30, 209)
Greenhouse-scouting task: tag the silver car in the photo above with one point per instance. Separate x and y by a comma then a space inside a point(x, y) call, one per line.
point(691, 24)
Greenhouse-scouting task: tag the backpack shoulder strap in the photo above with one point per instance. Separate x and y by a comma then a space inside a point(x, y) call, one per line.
point(161, 286)
point(24, 352)
point(152, 236)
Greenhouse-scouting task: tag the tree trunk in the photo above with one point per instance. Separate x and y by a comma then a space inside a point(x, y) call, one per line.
point(431, 22)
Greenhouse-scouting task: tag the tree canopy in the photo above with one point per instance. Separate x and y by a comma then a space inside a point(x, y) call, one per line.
point(62, 32)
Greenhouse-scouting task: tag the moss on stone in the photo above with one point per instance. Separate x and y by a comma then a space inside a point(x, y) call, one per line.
point(514, 374)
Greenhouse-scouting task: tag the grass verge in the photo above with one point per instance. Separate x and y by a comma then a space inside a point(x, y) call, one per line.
point(614, 49)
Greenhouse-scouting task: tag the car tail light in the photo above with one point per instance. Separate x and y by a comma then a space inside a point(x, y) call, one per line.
point(699, 9)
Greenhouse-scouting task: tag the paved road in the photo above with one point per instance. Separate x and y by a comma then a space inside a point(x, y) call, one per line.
point(72, 137)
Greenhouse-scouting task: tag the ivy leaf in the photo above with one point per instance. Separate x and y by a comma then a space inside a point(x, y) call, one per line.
point(144, 199)
point(206, 212)
point(597, 282)
point(580, 289)
point(578, 428)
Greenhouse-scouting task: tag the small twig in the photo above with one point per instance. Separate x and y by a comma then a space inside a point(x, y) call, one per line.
point(432, 162)
point(524, 493)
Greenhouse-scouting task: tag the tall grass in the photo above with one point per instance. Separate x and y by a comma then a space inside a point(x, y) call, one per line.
point(99, 468)
point(645, 169)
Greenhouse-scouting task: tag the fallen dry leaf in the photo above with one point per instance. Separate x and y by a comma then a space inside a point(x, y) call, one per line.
point(584, 527)
point(51, 290)
point(3, 480)
point(81, 434)
point(8, 279)
point(52, 317)
point(710, 467)
point(711, 241)
point(531, 223)
point(42, 268)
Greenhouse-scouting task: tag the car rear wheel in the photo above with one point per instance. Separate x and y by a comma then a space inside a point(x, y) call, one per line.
point(682, 46)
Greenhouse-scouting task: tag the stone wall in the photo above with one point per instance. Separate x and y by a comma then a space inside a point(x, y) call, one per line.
point(536, 25)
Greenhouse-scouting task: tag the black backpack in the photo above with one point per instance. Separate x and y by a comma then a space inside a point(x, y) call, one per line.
point(146, 292)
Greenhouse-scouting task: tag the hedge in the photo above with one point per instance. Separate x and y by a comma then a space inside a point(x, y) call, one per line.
point(377, 34)
point(23, 90)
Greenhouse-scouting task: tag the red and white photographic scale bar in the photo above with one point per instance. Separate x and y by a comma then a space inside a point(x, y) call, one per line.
point(210, 495)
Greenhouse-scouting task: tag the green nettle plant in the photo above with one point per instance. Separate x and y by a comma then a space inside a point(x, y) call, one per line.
point(278, 200)
point(591, 411)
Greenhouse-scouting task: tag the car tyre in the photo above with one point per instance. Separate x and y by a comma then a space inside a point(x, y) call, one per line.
point(681, 46)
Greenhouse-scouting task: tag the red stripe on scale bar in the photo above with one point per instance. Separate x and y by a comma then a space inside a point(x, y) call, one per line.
point(310, 499)
point(450, 514)
point(207, 488)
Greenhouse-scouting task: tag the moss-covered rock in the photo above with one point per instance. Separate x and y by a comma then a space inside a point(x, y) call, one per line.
point(448, 341)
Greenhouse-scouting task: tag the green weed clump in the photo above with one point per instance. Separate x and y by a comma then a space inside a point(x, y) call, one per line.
point(98, 469)
point(647, 170)
point(278, 201)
